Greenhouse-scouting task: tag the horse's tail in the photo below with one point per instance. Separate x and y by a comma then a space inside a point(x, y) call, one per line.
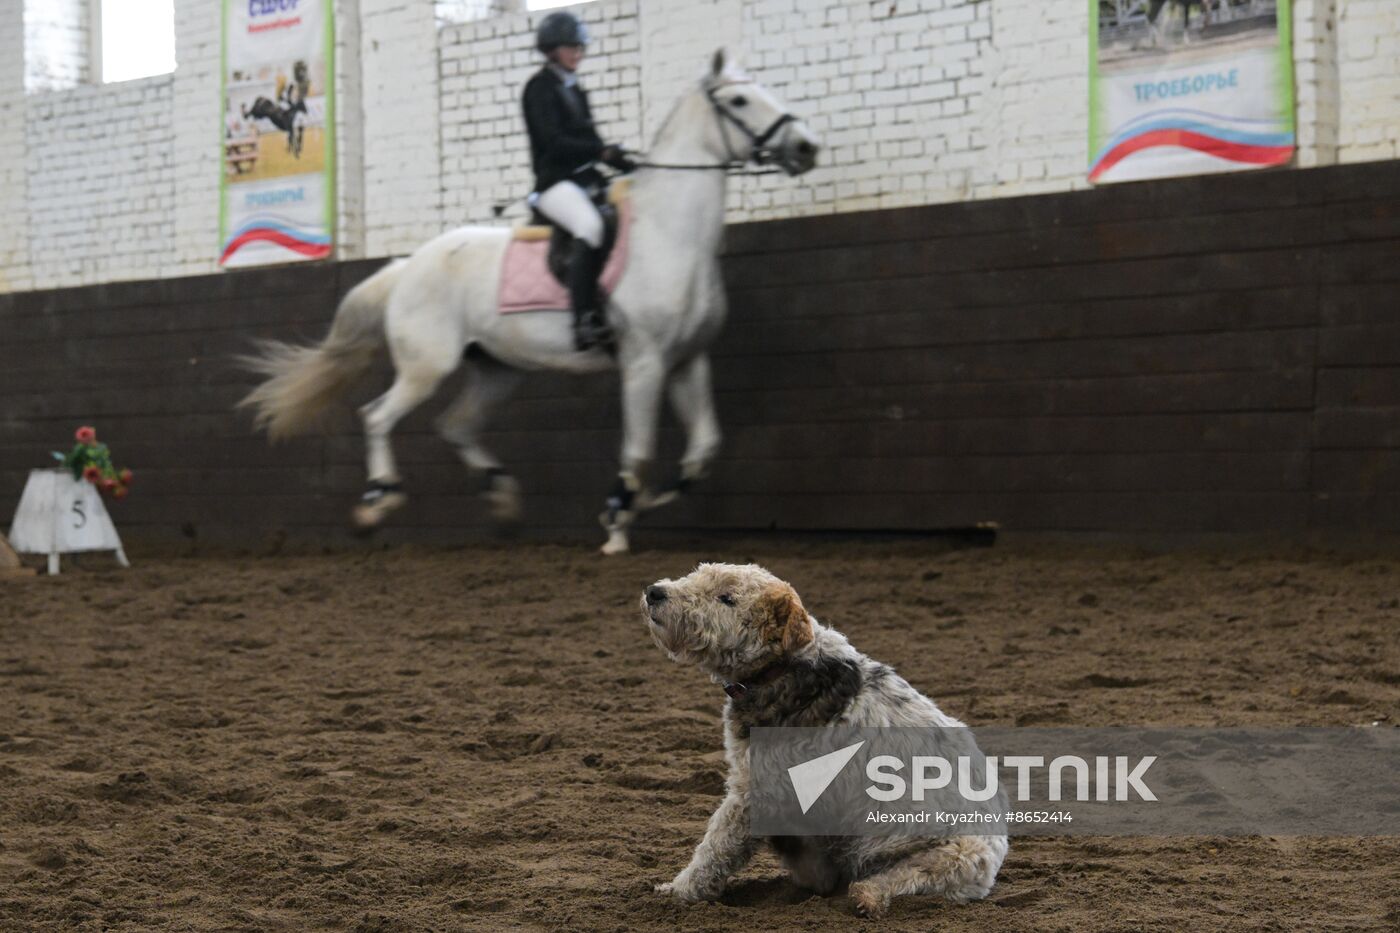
point(303, 381)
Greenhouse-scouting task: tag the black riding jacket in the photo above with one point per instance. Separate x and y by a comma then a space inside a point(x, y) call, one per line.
point(563, 140)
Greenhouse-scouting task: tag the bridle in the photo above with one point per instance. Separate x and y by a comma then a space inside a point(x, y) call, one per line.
point(761, 153)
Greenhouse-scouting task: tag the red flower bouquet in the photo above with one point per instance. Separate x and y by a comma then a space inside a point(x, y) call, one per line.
point(92, 461)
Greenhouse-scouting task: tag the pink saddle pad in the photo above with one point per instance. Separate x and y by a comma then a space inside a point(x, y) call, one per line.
point(526, 282)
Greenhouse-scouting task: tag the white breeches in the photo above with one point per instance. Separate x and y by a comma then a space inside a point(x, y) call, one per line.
point(567, 205)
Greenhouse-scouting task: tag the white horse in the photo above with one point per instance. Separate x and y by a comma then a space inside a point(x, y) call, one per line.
point(441, 302)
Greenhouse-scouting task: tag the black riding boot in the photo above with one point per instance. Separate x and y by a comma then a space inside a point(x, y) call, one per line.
point(590, 328)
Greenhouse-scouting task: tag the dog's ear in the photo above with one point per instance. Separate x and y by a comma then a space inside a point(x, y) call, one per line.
point(785, 621)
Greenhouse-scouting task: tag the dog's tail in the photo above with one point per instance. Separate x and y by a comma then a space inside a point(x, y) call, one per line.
point(303, 381)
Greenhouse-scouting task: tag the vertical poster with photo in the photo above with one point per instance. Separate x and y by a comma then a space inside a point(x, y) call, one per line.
point(277, 191)
point(1186, 87)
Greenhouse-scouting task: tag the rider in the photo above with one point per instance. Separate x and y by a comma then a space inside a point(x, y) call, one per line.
point(564, 149)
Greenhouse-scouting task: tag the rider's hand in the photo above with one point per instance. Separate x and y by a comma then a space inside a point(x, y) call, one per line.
point(616, 157)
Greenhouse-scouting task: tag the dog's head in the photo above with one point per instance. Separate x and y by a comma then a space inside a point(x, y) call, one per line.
point(728, 619)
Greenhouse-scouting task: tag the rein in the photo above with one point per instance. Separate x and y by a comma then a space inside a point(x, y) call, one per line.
point(720, 167)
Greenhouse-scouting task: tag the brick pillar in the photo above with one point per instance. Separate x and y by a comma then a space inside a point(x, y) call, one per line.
point(402, 134)
point(15, 273)
point(1316, 80)
point(197, 120)
point(349, 134)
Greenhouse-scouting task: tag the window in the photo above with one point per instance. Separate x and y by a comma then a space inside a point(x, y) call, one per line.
point(549, 4)
point(452, 12)
point(137, 38)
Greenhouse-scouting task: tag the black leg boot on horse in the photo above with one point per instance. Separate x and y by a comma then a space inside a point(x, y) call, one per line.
point(590, 326)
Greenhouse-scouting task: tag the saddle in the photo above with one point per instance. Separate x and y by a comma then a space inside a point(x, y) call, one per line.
point(535, 274)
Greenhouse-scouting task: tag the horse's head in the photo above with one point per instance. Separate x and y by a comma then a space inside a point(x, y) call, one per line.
point(754, 124)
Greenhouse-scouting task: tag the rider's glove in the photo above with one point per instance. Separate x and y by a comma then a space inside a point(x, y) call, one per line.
point(616, 157)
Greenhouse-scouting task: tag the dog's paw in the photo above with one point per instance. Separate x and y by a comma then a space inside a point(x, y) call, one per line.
point(681, 889)
point(677, 890)
point(870, 902)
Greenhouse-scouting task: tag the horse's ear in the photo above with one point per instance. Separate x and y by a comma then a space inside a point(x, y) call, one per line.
point(717, 63)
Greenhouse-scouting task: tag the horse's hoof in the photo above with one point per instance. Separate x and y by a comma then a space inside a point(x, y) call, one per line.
point(504, 499)
point(616, 544)
point(370, 514)
point(647, 500)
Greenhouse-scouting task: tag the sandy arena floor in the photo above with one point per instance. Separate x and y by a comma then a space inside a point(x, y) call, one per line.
point(485, 738)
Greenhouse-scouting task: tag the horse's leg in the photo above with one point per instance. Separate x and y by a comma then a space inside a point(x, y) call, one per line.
point(488, 384)
point(411, 386)
point(693, 401)
point(1156, 27)
point(642, 384)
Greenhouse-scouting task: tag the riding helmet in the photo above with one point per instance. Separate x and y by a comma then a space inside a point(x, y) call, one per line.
point(561, 28)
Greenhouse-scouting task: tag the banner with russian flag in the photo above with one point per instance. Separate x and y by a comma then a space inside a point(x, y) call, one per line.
point(277, 191)
point(1187, 87)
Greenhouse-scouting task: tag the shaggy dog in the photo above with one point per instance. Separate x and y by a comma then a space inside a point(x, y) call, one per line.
point(748, 630)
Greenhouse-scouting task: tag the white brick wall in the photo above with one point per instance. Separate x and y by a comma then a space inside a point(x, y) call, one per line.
point(1369, 80)
point(14, 170)
point(918, 101)
point(399, 112)
point(58, 43)
point(192, 132)
point(894, 89)
point(101, 183)
point(1036, 113)
point(677, 37)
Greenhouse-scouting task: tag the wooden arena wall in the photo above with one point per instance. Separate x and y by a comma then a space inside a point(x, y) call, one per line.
point(1213, 354)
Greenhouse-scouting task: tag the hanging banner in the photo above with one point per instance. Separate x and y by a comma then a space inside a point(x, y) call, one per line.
point(1186, 87)
point(277, 194)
